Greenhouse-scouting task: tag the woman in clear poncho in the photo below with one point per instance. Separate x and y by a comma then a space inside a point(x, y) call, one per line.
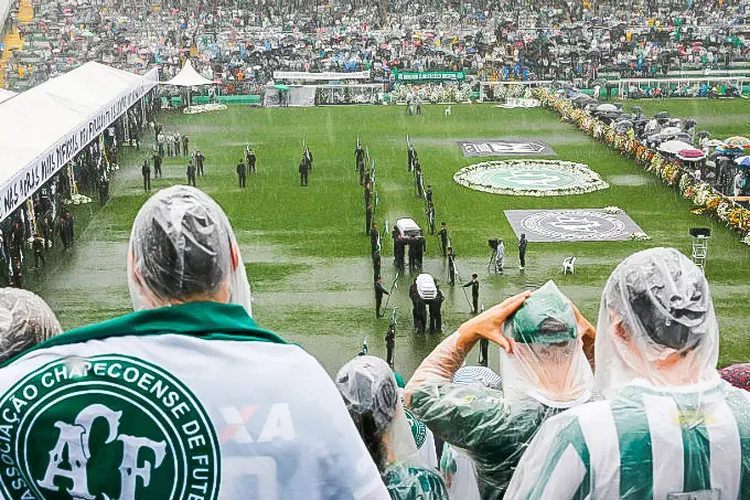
point(543, 368)
point(370, 392)
point(25, 321)
point(669, 428)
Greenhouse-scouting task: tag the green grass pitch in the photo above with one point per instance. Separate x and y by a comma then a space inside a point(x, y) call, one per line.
point(305, 250)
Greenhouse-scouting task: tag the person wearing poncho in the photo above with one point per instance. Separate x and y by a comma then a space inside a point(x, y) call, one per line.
point(370, 392)
point(543, 369)
point(669, 427)
point(184, 398)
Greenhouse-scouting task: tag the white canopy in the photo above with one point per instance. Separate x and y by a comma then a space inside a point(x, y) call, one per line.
point(6, 94)
point(45, 127)
point(188, 77)
point(674, 146)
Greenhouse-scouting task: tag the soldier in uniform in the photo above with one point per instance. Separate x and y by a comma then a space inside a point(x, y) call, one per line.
point(359, 158)
point(185, 143)
point(431, 217)
point(428, 194)
point(376, 263)
point(451, 266)
point(374, 237)
point(412, 158)
point(443, 233)
point(419, 182)
point(251, 159)
point(191, 173)
point(368, 178)
point(379, 292)
point(199, 159)
point(242, 174)
point(308, 157)
point(146, 173)
point(474, 284)
point(368, 220)
point(304, 172)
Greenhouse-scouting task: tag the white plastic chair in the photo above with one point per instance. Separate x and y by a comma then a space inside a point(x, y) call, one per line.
point(569, 265)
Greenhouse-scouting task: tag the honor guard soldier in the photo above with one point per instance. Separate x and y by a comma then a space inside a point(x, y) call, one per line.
point(379, 292)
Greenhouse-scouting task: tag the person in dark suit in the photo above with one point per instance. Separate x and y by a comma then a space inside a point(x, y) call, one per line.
point(242, 174)
point(379, 292)
point(199, 159)
point(304, 172)
point(157, 164)
point(191, 173)
point(436, 318)
point(522, 244)
point(474, 284)
point(146, 173)
point(398, 249)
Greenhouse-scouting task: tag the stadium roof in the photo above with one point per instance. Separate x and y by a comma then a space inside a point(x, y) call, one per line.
point(43, 128)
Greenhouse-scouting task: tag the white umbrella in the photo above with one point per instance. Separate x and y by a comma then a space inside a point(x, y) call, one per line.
point(674, 147)
point(606, 107)
point(713, 143)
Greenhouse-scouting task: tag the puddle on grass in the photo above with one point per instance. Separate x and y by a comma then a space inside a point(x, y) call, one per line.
point(629, 180)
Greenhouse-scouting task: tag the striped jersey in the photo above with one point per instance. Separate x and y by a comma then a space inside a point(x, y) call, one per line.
point(644, 444)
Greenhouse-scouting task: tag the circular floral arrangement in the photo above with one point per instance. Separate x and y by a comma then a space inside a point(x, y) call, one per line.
point(530, 178)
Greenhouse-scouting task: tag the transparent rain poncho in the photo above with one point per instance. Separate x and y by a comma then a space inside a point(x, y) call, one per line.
point(182, 248)
point(663, 302)
point(25, 321)
point(459, 470)
point(370, 393)
point(545, 373)
point(669, 428)
point(547, 361)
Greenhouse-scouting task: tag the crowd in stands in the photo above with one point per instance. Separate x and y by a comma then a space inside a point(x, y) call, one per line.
point(631, 408)
point(241, 46)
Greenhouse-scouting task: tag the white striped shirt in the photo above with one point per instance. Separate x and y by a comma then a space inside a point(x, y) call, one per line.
point(644, 444)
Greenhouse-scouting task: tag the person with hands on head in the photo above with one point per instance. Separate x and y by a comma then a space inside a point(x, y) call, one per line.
point(543, 369)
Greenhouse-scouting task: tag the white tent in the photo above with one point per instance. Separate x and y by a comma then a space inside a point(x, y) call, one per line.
point(188, 77)
point(45, 127)
point(6, 94)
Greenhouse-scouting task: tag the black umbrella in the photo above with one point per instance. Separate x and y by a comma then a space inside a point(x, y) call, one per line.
point(704, 133)
point(662, 115)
